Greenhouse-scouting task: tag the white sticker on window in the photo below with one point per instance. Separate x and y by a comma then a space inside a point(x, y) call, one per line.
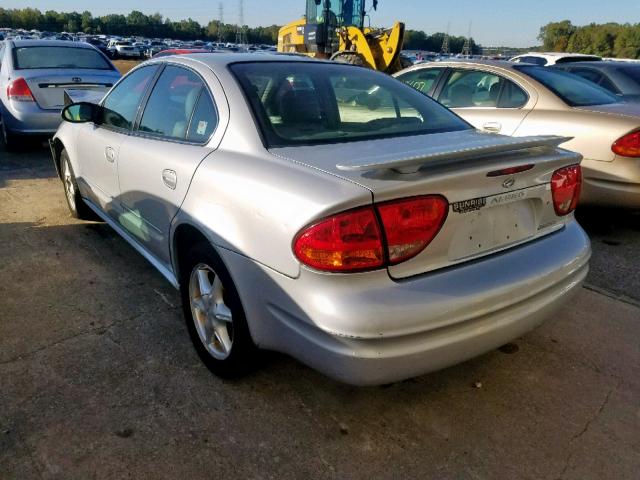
point(202, 127)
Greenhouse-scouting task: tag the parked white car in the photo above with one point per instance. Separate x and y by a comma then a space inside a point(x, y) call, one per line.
point(552, 58)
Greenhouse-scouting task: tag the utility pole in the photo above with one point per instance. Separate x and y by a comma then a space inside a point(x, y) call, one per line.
point(220, 22)
point(241, 36)
point(445, 44)
point(466, 49)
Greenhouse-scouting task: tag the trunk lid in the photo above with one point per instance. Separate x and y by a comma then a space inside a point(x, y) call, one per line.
point(486, 214)
point(48, 87)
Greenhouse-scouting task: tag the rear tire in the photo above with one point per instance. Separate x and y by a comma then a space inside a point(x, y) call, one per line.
point(214, 314)
point(77, 208)
point(11, 141)
point(352, 58)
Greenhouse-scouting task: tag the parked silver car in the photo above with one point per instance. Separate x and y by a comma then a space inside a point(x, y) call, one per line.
point(520, 99)
point(33, 77)
point(373, 243)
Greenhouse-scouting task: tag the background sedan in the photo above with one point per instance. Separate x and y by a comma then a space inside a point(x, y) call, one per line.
point(620, 78)
point(33, 77)
point(520, 99)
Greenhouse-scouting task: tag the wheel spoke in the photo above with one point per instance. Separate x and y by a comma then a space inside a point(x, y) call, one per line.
point(198, 304)
point(204, 283)
point(222, 313)
point(222, 335)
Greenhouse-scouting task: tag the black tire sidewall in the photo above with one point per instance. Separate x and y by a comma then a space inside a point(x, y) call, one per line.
point(243, 350)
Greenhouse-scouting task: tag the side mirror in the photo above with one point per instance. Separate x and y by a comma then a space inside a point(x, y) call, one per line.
point(81, 112)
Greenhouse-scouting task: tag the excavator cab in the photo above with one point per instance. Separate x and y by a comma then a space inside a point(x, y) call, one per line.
point(335, 29)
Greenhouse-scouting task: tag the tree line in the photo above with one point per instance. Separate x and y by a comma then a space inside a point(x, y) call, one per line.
point(606, 40)
point(419, 40)
point(135, 23)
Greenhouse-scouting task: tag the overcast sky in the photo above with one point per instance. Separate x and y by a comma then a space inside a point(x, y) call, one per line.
point(493, 23)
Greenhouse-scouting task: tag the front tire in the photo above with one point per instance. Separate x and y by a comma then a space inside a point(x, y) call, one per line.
point(352, 58)
point(77, 208)
point(214, 314)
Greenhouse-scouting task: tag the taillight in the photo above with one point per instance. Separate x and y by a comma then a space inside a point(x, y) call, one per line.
point(566, 184)
point(346, 242)
point(353, 240)
point(627, 146)
point(19, 91)
point(411, 224)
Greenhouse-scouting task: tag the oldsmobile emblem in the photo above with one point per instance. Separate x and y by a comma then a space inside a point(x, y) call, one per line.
point(509, 182)
point(469, 205)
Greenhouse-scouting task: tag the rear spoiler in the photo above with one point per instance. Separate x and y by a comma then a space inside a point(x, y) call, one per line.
point(75, 95)
point(439, 155)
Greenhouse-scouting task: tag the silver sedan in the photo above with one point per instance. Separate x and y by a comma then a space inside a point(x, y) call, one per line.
point(33, 77)
point(373, 243)
point(520, 99)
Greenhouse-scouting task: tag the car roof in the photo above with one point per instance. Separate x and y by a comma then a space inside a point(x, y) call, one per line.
point(222, 59)
point(608, 65)
point(557, 54)
point(457, 62)
point(50, 43)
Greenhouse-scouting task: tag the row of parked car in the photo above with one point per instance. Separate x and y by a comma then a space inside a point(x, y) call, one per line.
point(335, 213)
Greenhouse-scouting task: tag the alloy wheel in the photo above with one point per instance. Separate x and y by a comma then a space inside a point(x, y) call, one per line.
point(212, 317)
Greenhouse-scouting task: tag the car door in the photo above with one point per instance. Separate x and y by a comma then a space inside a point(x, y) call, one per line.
point(487, 100)
point(99, 143)
point(159, 159)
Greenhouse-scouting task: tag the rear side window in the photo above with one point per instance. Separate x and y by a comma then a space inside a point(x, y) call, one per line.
point(171, 103)
point(121, 105)
point(30, 58)
point(422, 80)
point(512, 96)
point(204, 119)
point(471, 88)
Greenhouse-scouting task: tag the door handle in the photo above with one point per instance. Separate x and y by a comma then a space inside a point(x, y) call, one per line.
point(494, 127)
point(170, 178)
point(110, 154)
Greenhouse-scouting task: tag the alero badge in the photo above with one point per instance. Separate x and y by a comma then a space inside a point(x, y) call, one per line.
point(469, 205)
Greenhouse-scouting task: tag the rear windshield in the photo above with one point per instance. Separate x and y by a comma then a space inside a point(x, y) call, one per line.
point(576, 58)
point(29, 58)
point(306, 103)
point(632, 71)
point(575, 91)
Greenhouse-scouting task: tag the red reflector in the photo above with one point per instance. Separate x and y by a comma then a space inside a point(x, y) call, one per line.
point(510, 170)
point(346, 242)
point(627, 146)
point(411, 224)
point(19, 91)
point(566, 184)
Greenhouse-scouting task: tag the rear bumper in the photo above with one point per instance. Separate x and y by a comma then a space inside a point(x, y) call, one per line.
point(614, 184)
point(368, 329)
point(30, 119)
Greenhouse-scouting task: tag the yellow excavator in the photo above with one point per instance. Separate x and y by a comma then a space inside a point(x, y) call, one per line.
point(334, 29)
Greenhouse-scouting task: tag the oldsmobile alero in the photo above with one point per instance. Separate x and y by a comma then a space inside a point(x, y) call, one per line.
point(373, 243)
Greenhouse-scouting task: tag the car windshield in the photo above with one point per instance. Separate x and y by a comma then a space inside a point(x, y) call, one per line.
point(572, 89)
point(305, 103)
point(29, 58)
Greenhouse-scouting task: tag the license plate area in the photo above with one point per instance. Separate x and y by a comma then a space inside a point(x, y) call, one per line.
point(494, 227)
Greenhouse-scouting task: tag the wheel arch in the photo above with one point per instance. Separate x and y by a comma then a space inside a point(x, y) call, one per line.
point(56, 150)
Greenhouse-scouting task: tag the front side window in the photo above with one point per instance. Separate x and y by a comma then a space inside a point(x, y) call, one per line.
point(572, 89)
point(313, 103)
point(422, 79)
point(121, 105)
point(171, 103)
point(28, 58)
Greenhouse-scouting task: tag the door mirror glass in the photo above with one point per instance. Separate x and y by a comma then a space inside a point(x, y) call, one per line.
point(81, 112)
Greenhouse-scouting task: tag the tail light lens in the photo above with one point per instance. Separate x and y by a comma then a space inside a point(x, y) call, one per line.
point(627, 146)
point(19, 91)
point(566, 184)
point(353, 240)
point(346, 242)
point(411, 224)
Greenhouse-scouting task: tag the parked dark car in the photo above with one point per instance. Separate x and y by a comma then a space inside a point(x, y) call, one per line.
point(621, 78)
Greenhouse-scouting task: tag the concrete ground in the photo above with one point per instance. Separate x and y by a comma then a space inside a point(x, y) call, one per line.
point(98, 378)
